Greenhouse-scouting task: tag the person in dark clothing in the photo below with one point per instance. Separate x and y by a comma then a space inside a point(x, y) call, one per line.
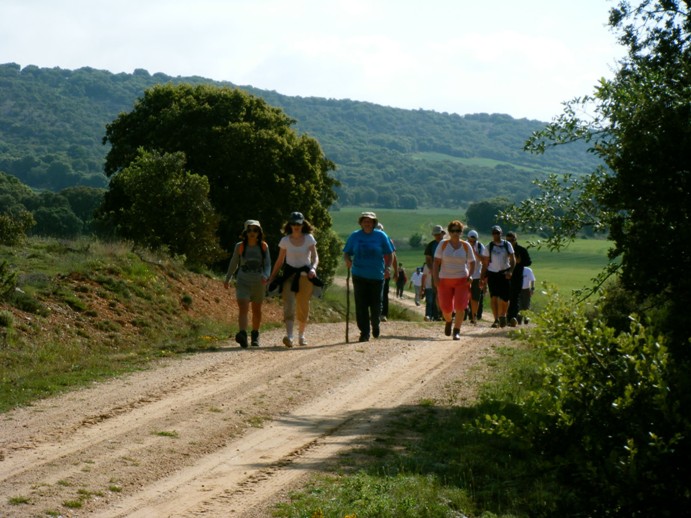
point(522, 260)
point(438, 233)
point(401, 279)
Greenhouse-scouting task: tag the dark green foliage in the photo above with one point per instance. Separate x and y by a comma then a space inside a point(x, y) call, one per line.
point(14, 226)
point(256, 166)
point(53, 121)
point(483, 215)
point(611, 413)
point(617, 398)
point(642, 131)
point(156, 203)
point(415, 240)
point(8, 280)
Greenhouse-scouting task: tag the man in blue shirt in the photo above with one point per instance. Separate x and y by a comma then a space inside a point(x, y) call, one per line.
point(367, 254)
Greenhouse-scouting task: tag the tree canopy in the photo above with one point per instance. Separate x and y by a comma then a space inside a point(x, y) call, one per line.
point(618, 388)
point(641, 129)
point(256, 165)
point(52, 122)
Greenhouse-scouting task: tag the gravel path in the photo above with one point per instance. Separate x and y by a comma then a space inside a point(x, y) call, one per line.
point(230, 432)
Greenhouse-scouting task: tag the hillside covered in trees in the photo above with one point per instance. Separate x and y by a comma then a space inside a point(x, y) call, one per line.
point(52, 124)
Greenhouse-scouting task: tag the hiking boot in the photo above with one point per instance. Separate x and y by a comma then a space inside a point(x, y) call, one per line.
point(287, 341)
point(526, 320)
point(255, 338)
point(496, 323)
point(375, 332)
point(241, 338)
point(447, 328)
point(363, 338)
point(502, 321)
point(456, 333)
point(303, 340)
point(513, 322)
point(382, 319)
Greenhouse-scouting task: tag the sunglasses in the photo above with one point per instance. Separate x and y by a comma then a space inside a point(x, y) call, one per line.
point(296, 224)
point(495, 232)
point(254, 230)
point(455, 230)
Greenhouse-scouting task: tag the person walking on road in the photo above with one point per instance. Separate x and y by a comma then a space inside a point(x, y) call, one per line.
point(476, 290)
point(368, 253)
point(430, 303)
point(416, 284)
point(387, 281)
point(527, 291)
point(401, 279)
point(299, 259)
point(454, 260)
point(522, 260)
point(252, 261)
point(438, 235)
point(497, 272)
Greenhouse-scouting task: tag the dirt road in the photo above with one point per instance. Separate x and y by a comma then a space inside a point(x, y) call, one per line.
point(226, 433)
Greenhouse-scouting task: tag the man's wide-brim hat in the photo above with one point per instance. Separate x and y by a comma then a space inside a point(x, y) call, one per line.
point(370, 215)
point(437, 229)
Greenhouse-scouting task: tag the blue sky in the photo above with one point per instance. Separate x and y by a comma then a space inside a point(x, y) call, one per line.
point(457, 56)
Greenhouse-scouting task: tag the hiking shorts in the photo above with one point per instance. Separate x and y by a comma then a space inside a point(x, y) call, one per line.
point(499, 285)
point(250, 287)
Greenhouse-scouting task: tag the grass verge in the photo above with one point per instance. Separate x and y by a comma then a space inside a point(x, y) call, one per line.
point(84, 310)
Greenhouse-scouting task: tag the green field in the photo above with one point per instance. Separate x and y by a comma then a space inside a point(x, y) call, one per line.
point(570, 269)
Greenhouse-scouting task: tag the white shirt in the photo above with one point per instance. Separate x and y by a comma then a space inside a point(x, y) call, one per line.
point(478, 263)
point(454, 262)
point(298, 256)
point(416, 278)
point(528, 277)
point(428, 277)
point(500, 256)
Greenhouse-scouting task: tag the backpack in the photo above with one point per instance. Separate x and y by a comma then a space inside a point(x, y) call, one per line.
point(241, 250)
point(491, 245)
point(444, 243)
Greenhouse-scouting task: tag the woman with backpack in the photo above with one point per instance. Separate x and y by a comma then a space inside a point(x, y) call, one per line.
point(252, 260)
point(454, 261)
point(299, 259)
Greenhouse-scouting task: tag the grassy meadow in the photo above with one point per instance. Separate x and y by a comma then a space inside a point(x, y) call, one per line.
point(567, 270)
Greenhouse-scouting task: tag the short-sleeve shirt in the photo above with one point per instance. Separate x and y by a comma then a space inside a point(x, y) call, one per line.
point(298, 256)
point(528, 277)
point(500, 256)
point(367, 250)
point(454, 262)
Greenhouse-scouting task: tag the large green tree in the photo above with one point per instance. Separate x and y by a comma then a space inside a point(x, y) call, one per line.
point(164, 206)
point(641, 128)
point(621, 397)
point(257, 166)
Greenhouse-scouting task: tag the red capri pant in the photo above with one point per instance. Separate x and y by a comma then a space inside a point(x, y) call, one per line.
point(454, 294)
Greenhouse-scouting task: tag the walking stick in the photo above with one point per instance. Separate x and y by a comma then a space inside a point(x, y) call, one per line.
point(347, 304)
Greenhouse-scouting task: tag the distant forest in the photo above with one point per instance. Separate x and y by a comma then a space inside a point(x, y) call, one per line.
point(52, 122)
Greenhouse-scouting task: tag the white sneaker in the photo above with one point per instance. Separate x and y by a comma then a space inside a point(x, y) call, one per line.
point(288, 342)
point(303, 340)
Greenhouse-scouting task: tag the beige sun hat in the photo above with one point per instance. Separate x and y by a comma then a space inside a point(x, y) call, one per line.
point(370, 215)
point(252, 223)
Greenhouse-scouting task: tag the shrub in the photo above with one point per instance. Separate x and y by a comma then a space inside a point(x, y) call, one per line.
point(609, 409)
point(8, 280)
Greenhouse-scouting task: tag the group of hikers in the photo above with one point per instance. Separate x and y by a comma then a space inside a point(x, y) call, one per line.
point(453, 280)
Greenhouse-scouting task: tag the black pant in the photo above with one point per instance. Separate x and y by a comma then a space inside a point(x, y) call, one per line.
point(385, 299)
point(367, 294)
point(515, 293)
